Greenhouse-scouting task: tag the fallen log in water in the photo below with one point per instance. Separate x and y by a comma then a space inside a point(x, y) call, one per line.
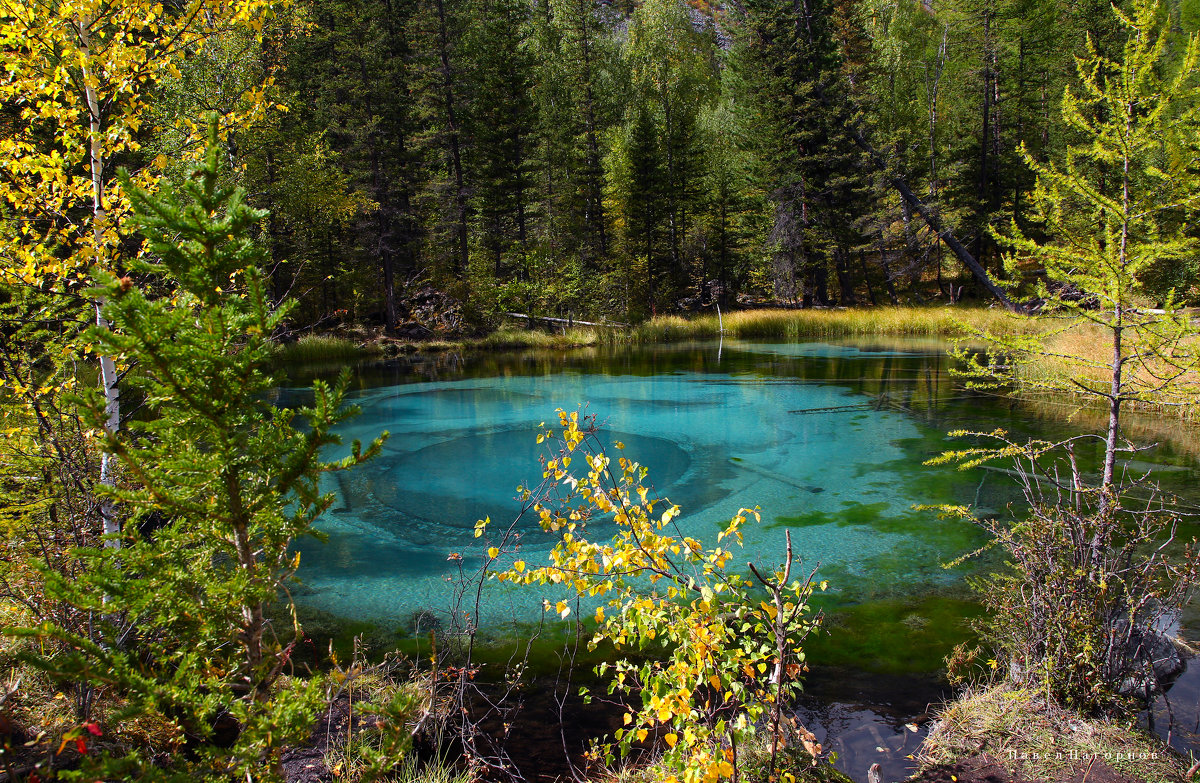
point(567, 321)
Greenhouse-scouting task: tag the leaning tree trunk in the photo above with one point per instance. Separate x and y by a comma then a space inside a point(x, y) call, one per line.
point(945, 234)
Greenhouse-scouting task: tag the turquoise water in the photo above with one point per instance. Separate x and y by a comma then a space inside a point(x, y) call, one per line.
point(827, 439)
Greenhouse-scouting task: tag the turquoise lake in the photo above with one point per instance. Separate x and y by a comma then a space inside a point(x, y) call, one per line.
point(828, 439)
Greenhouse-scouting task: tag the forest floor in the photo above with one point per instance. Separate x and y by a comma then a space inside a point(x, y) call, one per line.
point(985, 768)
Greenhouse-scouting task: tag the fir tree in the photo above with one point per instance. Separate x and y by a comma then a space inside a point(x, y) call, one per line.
point(820, 182)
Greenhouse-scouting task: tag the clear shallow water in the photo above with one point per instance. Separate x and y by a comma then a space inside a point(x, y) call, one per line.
point(819, 454)
point(827, 439)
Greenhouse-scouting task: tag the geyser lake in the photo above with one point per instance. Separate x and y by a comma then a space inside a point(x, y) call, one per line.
point(828, 439)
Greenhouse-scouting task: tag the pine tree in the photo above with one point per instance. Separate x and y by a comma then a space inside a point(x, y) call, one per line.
point(578, 94)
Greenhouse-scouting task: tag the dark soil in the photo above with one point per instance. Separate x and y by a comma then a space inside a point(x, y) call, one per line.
point(307, 764)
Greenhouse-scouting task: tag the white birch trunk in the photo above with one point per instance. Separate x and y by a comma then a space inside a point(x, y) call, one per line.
point(108, 370)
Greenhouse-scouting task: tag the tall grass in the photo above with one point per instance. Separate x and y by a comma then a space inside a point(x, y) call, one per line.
point(508, 338)
point(1092, 347)
point(323, 348)
point(800, 324)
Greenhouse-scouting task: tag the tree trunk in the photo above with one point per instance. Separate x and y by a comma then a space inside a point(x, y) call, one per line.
point(862, 263)
point(672, 187)
point(888, 281)
point(389, 291)
point(108, 370)
point(460, 191)
point(985, 132)
point(847, 297)
point(253, 616)
point(595, 171)
point(933, 119)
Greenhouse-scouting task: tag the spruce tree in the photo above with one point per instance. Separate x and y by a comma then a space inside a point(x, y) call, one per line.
point(502, 125)
point(820, 177)
point(218, 484)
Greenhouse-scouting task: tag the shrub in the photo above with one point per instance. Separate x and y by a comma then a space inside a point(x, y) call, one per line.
point(711, 656)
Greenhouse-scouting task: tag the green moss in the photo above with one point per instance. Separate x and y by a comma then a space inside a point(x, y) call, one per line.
point(893, 636)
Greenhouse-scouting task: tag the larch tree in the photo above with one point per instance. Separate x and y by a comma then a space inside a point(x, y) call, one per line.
point(1093, 572)
point(674, 76)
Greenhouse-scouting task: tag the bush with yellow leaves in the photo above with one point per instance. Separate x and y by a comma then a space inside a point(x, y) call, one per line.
point(713, 656)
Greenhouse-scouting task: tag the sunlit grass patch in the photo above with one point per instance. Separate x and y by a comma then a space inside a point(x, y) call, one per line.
point(507, 338)
point(1042, 742)
point(793, 325)
point(323, 348)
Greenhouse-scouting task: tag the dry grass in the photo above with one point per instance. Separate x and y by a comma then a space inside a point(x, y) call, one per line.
point(792, 325)
point(1019, 729)
point(1092, 345)
point(29, 698)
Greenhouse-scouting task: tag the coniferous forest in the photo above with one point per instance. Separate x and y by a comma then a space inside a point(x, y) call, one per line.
point(622, 160)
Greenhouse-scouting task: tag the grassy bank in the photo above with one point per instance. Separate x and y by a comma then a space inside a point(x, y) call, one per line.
point(1043, 742)
point(330, 348)
point(790, 325)
point(782, 325)
point(786, 325)
point(324, 348)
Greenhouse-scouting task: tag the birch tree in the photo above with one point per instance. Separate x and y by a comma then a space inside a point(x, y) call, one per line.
point(79, 75)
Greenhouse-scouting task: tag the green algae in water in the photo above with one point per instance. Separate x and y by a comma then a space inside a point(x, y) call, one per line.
point(894, 636)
